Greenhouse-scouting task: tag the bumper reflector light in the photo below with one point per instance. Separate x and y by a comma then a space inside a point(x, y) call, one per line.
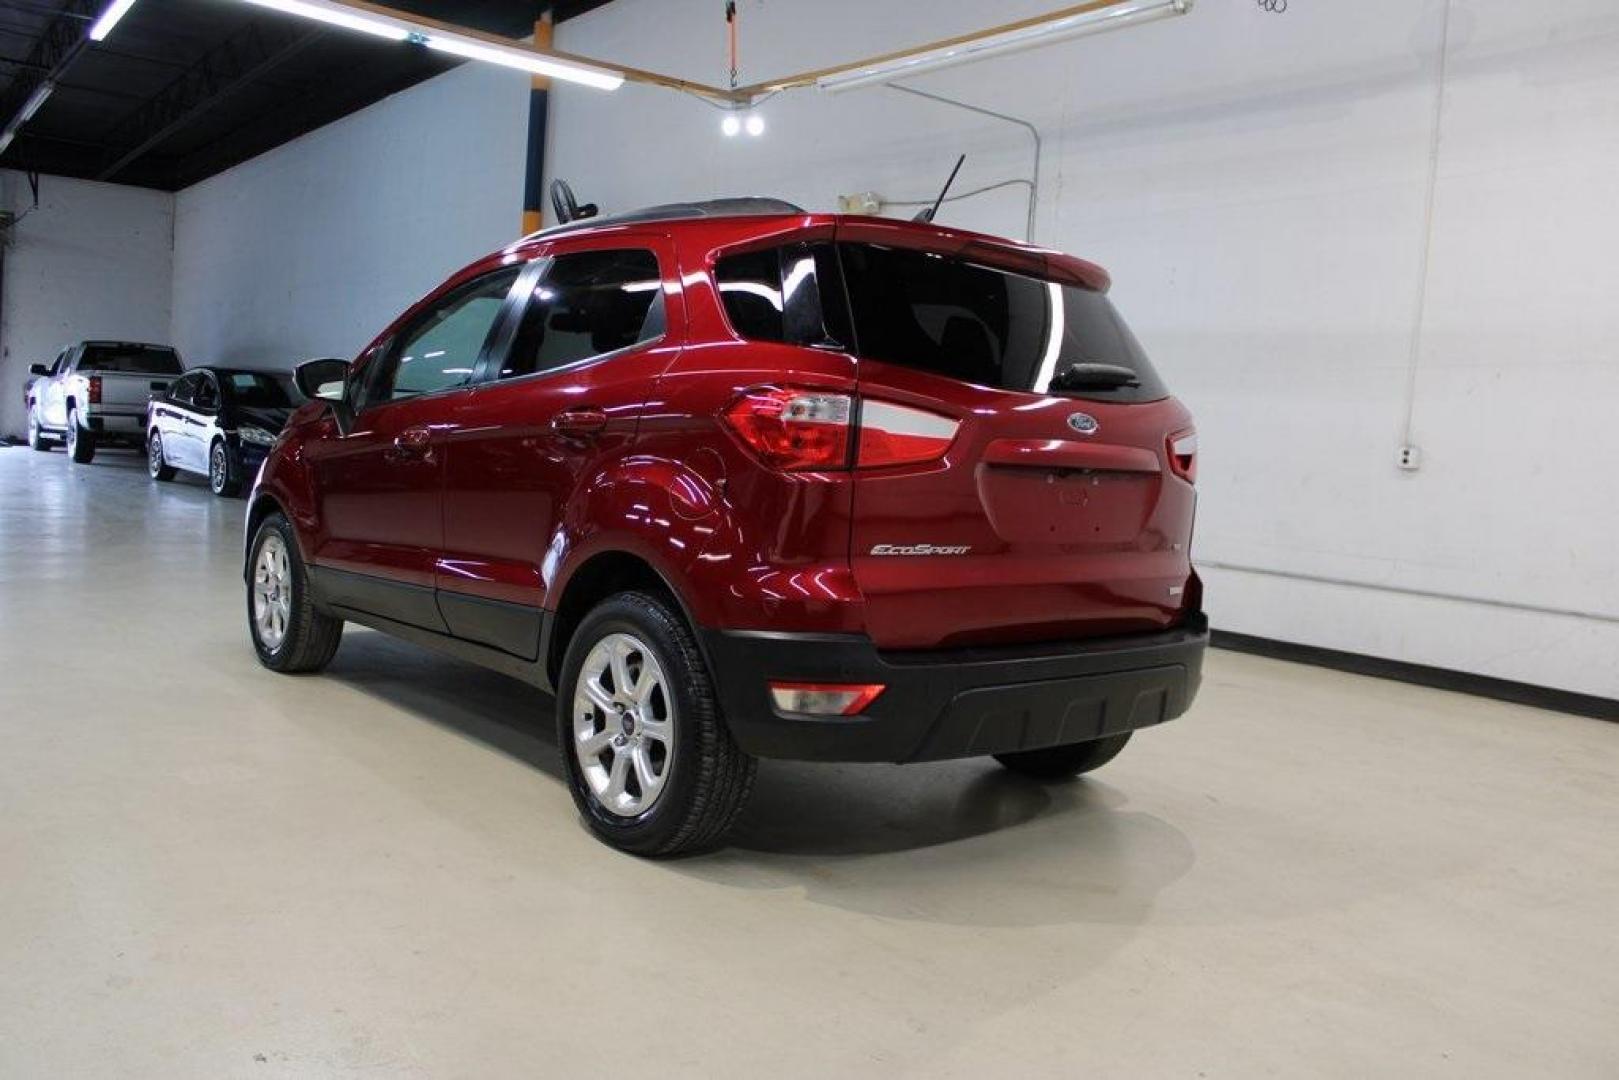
point(824, 699)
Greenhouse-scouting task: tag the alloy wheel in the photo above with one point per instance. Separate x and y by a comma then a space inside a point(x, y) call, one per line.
point(154, 454)
point(623, 725)
point(272, 592)
point(218, 470)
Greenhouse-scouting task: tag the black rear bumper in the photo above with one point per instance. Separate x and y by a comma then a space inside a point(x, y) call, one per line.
point(957, 703)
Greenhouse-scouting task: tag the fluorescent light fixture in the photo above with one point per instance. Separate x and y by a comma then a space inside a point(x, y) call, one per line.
point(522, 59)
point(109, 19)
point(446, 41)
point(338, 15)
point(31, 106)
point(5, 140)
point(1030, 37)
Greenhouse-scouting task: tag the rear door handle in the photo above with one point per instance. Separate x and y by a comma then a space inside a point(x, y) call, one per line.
point(581, 420)
point(414, 442)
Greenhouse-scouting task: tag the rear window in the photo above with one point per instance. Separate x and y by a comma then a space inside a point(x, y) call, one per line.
point(130, 359)
point(921, 310)
point(258, 389)
point(987, 326)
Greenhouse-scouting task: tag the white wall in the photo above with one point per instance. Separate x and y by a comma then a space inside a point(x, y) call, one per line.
point(1259, 186)
point(92, 261)
point(312, 248)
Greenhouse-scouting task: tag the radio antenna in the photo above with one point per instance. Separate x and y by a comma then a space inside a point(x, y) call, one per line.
point(932, 211)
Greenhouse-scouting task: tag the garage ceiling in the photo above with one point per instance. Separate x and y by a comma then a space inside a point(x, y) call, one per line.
point(184, 89)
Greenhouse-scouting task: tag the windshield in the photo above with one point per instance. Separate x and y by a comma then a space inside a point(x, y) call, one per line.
point(257, 389)
point(988, 326)
point(130, 359)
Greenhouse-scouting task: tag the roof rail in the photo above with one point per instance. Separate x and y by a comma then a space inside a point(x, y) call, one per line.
point(750, 206)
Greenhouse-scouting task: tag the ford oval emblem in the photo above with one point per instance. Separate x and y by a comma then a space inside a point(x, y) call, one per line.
point(1084, 423)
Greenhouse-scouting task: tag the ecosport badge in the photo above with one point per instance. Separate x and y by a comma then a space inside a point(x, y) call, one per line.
point(919, 549)
point(1084, 423)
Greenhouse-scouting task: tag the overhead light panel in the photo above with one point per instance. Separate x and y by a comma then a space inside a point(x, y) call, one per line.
point(31, 106)
point(1029, 37)
point(338, 15)
point(109, 19)
point(446, 41)
point(522, 59)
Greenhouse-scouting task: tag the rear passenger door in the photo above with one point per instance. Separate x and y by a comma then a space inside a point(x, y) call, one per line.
point(553, 409)
point(198, 421)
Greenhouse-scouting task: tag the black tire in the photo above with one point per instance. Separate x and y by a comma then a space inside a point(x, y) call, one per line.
point(310, 638)
point(156, 467)
point(1063, 762)
point(224, 475)
point(36, 434)
point(81, 444)
point(709, 777)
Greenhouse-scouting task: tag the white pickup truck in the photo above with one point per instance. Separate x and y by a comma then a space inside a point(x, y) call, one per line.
point(95, 394)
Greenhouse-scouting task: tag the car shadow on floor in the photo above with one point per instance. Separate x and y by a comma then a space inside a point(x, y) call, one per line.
point(958, 842)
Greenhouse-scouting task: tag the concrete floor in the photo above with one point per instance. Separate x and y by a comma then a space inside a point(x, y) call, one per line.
point(207, 870)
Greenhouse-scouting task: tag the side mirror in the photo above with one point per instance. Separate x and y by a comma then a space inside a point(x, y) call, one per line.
point(321, 379)
point(38, 369)
point(325, 380)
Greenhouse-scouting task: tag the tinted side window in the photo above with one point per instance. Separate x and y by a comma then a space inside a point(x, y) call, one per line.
point(786, 294)
point(984, 325)
point(206, 394)
point(587, 304)
point(440, 350)
point(750, 287)
point(181, 389)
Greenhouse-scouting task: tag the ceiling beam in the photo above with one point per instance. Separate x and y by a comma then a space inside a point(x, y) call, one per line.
point(234, 64)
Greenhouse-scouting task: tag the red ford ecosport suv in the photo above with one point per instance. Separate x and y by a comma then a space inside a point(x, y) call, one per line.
point(734, 480)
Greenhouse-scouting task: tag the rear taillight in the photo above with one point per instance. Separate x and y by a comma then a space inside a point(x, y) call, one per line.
point(1183, 455)
point(794, 428)
point(900, 435)
point(95, 389)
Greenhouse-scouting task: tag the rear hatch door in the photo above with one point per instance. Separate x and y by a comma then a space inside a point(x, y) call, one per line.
point(1058, 511)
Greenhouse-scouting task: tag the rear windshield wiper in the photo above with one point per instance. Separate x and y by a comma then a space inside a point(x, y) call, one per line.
point(1093, 377)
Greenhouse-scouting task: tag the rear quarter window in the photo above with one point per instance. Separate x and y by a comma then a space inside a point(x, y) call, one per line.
point(130, 359)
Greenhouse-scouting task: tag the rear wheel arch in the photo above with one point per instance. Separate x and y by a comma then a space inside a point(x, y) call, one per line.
point(600, 576)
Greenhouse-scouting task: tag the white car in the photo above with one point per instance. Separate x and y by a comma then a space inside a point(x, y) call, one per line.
point(218, 422)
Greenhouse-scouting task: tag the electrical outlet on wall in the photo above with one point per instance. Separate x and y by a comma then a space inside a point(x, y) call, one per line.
point(1409, 458)
point(864, 202)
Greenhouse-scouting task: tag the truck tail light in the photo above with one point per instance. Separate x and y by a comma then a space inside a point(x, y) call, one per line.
point(824, 699)
point(900, 435)
point(794, 428)
point(95, 389)
point(1183, 455)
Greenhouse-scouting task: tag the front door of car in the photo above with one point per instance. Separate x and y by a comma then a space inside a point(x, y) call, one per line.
point(53, 397)
point(564, 397)
point(379, 483)
point(198, 422)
